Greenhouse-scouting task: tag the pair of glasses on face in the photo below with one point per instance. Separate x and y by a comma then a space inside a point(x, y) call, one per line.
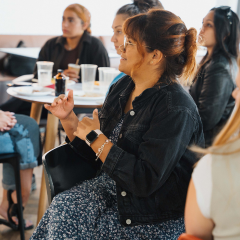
point(228, 13)
point(126, 43)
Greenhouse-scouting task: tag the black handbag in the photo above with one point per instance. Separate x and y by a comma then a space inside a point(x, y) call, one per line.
point(64, 168)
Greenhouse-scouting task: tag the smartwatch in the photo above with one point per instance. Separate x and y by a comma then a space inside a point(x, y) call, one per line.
point(92, 136)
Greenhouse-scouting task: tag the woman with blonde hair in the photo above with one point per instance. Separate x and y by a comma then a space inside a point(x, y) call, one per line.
point(76, 43)
point(213, 200)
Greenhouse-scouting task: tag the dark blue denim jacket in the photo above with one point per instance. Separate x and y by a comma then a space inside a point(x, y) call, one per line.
point(151, 162)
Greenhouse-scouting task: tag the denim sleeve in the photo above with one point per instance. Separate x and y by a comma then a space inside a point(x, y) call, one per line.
point(164, 144)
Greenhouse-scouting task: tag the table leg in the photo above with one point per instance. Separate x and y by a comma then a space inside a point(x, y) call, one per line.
point(51, 132)
point(36, 111)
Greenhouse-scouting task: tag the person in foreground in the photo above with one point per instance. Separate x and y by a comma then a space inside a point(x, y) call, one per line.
point(146, 122)
point(18, 133)
point(215, 80)
point(124, 12)
point(212, 207)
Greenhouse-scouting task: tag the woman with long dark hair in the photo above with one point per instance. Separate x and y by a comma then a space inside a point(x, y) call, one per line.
point(215, 79)
point(141, 137)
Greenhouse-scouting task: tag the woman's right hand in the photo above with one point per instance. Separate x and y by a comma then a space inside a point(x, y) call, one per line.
point(62, 106)
point(71, 74)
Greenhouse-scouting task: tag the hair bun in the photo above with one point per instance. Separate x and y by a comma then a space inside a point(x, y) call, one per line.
point(147, 4)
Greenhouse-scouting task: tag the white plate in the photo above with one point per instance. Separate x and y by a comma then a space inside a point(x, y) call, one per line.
point(33, 91)
point(22, 80)
point(94, 96)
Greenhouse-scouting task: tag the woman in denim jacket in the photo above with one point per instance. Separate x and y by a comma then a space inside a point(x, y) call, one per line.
point(147, 123)
point(20, 134)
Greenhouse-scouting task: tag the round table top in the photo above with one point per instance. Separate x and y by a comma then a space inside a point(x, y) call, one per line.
point(49, 98)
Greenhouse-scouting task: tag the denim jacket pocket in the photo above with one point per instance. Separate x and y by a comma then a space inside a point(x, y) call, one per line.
point(135, 133)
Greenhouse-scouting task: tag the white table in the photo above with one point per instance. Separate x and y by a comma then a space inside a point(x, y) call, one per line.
point(24, 52)
point(51, 130)
point(34, 52)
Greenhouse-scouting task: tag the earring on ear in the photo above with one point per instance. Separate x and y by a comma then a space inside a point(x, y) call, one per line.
point(151, 62)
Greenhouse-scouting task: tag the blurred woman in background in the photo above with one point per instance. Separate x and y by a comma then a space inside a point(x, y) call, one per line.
point(215, 79)
point(76, 43)
point(126, 11)
point(213, 201)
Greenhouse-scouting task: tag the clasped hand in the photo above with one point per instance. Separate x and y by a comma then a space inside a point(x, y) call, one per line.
point(87, 125)
point(7, 121)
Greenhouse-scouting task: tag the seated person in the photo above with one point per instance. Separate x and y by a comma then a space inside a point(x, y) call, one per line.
point(212, 207)
point(18, 133)
point(75, 43)
point(215, 79)
point(147, 122)
point(126, 11)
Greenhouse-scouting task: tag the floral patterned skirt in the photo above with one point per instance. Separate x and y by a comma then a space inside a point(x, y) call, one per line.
point(89, 211)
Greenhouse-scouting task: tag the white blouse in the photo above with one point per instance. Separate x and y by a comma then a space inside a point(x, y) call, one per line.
point(202, 179)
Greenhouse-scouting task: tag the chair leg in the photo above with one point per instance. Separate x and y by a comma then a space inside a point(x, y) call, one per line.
point(16, 166)
point(59, 136)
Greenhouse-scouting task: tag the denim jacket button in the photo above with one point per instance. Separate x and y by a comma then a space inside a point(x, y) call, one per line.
point(123, 193)
point(128, 221)
point(132, 113)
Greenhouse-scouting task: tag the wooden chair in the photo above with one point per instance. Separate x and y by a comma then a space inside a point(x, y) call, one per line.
point(13, 159)
point(186, 236)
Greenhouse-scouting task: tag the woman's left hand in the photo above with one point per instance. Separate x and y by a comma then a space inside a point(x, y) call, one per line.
point(87, 125)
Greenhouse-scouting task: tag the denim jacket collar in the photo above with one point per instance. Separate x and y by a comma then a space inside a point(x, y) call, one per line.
point(162, 83)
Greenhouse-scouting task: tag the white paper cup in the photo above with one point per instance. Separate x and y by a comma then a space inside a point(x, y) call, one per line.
point(88, 75)
point(44, 73)
point(74, 67)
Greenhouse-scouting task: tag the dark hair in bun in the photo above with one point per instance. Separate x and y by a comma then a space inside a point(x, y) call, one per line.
point(139, 6)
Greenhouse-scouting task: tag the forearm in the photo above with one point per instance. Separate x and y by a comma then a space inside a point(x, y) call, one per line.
point(70, 125)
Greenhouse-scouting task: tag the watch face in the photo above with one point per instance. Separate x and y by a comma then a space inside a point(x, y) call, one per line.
point(91, 136)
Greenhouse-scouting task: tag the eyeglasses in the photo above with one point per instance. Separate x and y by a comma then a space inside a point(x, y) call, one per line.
point(228, 10)
point(126, 43)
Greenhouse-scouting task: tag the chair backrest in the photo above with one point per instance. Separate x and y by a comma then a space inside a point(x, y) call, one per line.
point(186, 236)
point(64, 169)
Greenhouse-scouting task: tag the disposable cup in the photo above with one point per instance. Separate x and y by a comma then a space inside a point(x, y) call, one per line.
point(44, 72)
point(74, 67)
point(88, 75)
point(101, 77)
point(108, 75)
